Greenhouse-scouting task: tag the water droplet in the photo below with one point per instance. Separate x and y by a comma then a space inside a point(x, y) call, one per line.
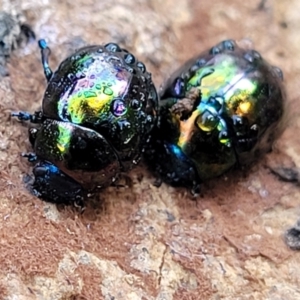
point(89, 94)
point(200, 62)
point(131, 70)
point(118, 108)
point(141, 66)
point(254, 127)
point(135, 104)
point(216, 103)
point(142, 114)
point(129, 58)
point(123, 124)
point(87, 63)
point(142, 97)
point(98, 86)
point(79, 75)
point(193, 69)
point(149, 119)
point(252, 56)
point(112, 47)
point(228, 45)
point(215, 50)
point(207, 122)
point(107, 91)
point(256, 55)
point(178, 87)
point(71, 76)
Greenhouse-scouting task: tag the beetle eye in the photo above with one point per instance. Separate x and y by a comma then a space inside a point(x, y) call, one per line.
point(207, 121)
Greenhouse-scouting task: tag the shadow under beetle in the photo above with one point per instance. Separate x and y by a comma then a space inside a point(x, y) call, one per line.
point(220, 109)
point(97, 112)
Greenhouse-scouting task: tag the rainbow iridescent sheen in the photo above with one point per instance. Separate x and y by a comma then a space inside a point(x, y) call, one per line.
point(222, 108)
point(231, 90)
point(64, 136)
point(98, 110)
point(89, 99)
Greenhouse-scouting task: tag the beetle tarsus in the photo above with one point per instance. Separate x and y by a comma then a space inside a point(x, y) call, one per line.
point(51, 184)
point(30, 156)
point(22, 115)
point(79, 203)
point(26, 116)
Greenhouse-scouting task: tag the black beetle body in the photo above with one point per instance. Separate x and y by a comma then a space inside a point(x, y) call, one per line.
point(97, 112)
point(220, 109)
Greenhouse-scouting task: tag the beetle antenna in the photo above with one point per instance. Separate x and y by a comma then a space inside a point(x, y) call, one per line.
point(45, 52)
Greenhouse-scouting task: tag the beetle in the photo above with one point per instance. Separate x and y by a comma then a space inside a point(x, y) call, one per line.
point(221, 109)
point(97, 112)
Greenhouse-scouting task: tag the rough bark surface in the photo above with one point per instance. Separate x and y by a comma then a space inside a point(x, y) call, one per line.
point(145, 242)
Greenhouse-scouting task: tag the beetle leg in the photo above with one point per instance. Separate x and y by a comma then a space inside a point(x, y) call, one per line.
point(195, 190)
point(172, 165)
point(122, 180)
point(53, 185)
point(30, 156)
point(37, 117)
point(45, 52)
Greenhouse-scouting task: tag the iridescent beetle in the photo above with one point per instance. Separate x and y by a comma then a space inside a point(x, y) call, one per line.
point(221, 109)
point(97, 112)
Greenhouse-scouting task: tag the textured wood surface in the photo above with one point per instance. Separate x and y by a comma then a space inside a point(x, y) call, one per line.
point(145, 242)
